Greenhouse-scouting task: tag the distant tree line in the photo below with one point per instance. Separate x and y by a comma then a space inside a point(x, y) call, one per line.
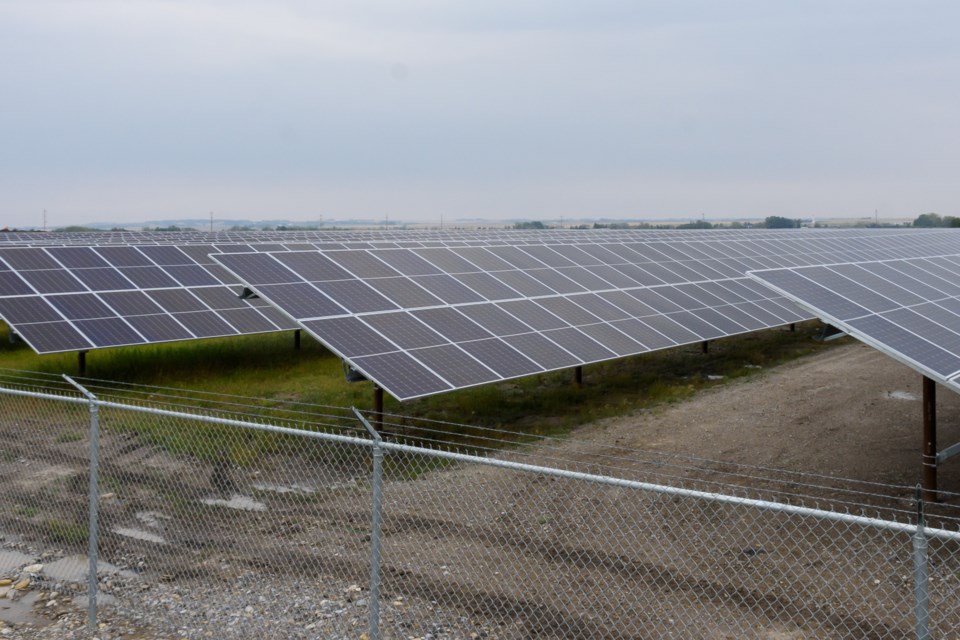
point(935, 220)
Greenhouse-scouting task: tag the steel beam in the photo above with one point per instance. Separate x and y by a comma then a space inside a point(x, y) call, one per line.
point(929, 440)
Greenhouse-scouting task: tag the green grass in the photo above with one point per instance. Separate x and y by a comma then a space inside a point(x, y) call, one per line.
point(267, 366)
point(66, 532)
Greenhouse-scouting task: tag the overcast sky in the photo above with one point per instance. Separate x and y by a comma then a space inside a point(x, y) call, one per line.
point(130, 110)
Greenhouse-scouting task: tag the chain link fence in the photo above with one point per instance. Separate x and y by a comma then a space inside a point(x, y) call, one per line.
point(235, 518)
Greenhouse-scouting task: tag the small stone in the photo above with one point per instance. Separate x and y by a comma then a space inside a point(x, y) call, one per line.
point(3, 592)
point(6, 582)
point(51, 603)
point(33, 568)
point(23, 585)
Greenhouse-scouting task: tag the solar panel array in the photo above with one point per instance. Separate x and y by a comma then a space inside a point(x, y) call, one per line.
point(425, 312)
point(75, 298)
point(429, 320)
point(909, 309)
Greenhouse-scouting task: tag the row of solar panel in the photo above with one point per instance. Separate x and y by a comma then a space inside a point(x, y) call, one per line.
point(455, 347)
point(907, 308)
point(479, 274)
point(82, 321)
point(379, 280)
point(471, 235)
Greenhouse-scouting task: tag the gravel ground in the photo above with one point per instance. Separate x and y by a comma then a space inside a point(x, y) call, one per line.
point(813, 415)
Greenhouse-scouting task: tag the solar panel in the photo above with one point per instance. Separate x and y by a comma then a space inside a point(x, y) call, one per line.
point(908, 309)
point(115, 296)
point(565, 319)
point(434, 269)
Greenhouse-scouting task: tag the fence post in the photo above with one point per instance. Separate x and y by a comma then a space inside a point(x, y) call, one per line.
point(94, 506)
point(921, 575)
point(376, 508)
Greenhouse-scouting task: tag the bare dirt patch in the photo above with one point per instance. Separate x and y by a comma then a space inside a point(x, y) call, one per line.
point(850, 412)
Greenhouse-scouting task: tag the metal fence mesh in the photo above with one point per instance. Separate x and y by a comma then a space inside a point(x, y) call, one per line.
point(44, 448)
point(229, 519)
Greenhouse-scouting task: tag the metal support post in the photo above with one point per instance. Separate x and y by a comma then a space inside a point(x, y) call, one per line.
point(81, 363)
point(375, 527)
point(793, 327)
point(296, 339)
point(94, 507)
point(705, 346)
point(578, 375)
point(921, 576)
point(378, 407)
point(94, 516)
point(929, 440)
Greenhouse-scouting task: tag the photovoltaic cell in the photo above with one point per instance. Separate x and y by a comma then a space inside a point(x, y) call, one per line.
point(404, 330)
point(80, 305)
point(544, 352)
point(106, 279)
point(12, 284)
point(205, 324)
point(533, 315)
point(499, 356)
point(354, 296)
point(312, 266)
point(400, 371)
point(349, 336)
point(494, 319)
point(247, 320)
point(176, 300)
point(406, 262)
point(108, 332)
point(159, 328)
point(77, 257)
point(258, 268)
point(613, 339)
point(487, 286)
point(405, 293)
point(55, 281)
point(53, 337)
point(191, 275)
point(568, 311)
point(579, 344)
point(447, 289)
point(644, 334)
point(455, 365)
point(148, 277)
point(362, 265)
point(27, 310)
point(301, 300)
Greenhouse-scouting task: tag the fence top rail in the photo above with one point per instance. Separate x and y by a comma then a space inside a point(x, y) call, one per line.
point(767, 505)
point(61, 396)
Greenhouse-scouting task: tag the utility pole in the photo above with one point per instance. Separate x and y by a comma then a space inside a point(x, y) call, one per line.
point(44, 219)
point(211, 222)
